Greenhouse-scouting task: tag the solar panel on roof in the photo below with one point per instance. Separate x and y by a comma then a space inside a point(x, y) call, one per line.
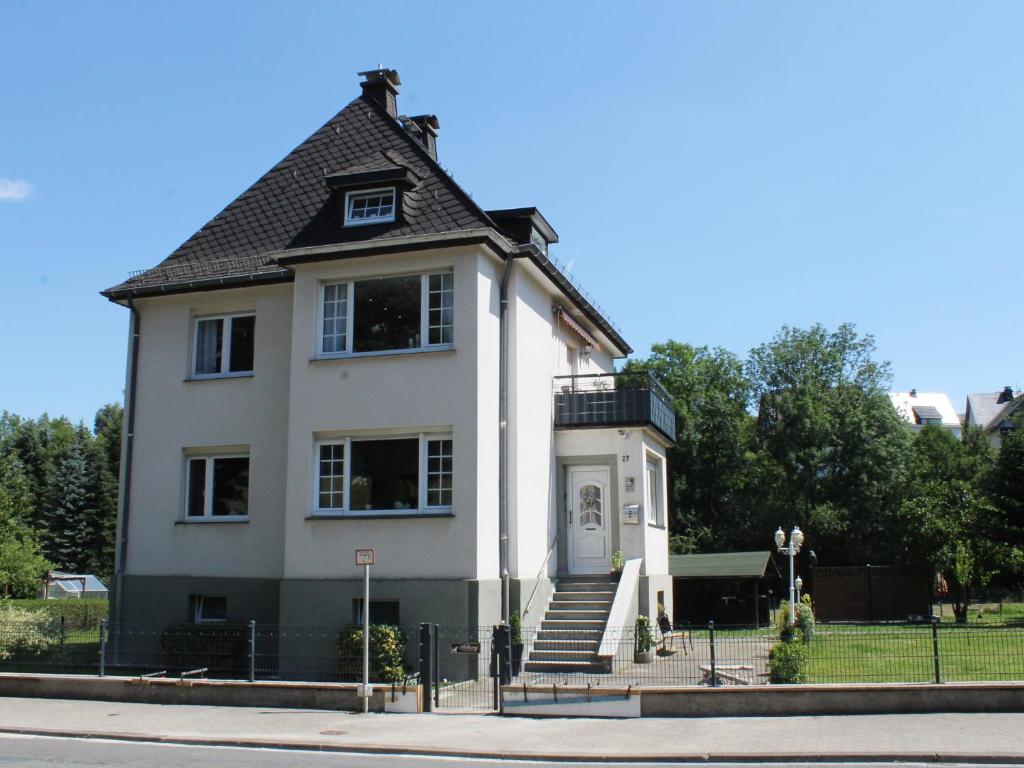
point(927, 413)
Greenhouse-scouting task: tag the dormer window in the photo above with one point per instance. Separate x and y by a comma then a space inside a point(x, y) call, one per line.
point(374, 206)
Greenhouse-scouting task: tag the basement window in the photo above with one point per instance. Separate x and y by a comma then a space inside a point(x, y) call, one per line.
point(374, 206)
point(207, 609)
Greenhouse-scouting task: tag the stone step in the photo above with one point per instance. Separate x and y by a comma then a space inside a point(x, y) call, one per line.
point(585, 586)
point(564, 667)
point(576, 615)
point(603, 606)
point(571, 597)
point(562, 634)
point(582, 646)
point(583, 657)
point(575, 625)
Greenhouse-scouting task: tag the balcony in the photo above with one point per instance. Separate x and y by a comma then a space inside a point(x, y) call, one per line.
point(613, 400)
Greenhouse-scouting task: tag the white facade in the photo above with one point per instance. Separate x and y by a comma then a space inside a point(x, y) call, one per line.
point(296, 396)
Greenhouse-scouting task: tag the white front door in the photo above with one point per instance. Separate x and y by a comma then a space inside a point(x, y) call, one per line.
point(589, 518)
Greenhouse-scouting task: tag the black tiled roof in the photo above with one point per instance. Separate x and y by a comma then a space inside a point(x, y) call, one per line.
point(291, 205)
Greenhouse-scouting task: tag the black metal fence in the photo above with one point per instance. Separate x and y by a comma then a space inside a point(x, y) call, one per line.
point(460, 669)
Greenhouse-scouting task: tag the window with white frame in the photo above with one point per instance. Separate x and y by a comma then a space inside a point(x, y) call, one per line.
point(223, 345)
point(654, 513)
point(374, 206)
point(387, 314)
point(217, 487)
point(383, 475)
point(209, 609)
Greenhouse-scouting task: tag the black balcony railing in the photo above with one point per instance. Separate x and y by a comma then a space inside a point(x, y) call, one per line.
point(613, 400)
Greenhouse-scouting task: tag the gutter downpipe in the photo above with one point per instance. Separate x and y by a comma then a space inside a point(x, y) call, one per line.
point(126, 464)
point(503, 437)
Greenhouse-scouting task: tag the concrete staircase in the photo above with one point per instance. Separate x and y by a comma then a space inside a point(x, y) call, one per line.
point(570, 633)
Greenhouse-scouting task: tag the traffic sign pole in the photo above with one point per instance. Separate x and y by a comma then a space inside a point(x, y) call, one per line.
point(365, 558)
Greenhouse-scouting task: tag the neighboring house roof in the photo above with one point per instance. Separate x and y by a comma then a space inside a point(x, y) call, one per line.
point(920, 407)
point(295, 205)
point(722, 565)
point(988, 410)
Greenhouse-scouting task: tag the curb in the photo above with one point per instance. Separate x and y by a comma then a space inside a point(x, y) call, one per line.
point(682, 757)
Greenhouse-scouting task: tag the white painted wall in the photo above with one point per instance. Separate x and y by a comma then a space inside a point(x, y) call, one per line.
point(400, 394)
point(635, 541)
point(174, 414)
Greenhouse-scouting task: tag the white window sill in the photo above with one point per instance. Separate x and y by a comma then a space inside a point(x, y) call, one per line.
point(383, 353)
point(213, 519)
point(402, 514)
point(215, 376)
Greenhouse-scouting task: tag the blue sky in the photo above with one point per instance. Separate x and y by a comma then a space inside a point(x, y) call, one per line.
point(714, 170)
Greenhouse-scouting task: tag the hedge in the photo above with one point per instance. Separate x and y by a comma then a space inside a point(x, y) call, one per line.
point(79, 615)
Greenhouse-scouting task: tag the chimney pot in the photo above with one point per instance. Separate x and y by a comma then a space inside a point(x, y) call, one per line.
point(381, 85)
point(428, 126)
point(1006, 395)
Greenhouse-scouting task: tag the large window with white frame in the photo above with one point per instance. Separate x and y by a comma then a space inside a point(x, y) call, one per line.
point(387, 475)
point(655, 514)
point(384, 314)
point(217, 486)
point(372, 206)
point(223, 345)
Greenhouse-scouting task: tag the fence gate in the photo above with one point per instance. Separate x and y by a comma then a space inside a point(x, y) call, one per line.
point(457, 668)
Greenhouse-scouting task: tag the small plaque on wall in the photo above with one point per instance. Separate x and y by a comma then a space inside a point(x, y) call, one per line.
point(631, 514)
point(630, 484)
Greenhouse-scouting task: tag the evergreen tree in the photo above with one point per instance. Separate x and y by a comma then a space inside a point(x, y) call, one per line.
point(22, 564)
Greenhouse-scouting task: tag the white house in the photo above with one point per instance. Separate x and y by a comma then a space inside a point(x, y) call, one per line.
point(921, 408)
point(354, 354)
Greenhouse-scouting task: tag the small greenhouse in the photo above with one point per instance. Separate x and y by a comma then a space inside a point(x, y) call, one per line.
point(59, 585)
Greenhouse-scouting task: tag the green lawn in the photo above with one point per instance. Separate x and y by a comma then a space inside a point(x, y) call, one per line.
point(882, 654)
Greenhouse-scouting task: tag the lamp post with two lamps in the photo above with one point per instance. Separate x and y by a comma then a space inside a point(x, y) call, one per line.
point(796, 540)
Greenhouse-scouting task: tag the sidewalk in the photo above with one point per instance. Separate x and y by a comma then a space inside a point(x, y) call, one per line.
point(919, 738)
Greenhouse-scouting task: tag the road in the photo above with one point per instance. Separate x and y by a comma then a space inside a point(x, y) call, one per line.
point(32, 751)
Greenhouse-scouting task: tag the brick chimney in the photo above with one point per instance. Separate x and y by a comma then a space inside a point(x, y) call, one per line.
point(381, 85)
point(427, 126)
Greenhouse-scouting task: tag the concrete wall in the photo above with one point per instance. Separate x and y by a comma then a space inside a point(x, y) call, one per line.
point(159, 600)
point(175, 414)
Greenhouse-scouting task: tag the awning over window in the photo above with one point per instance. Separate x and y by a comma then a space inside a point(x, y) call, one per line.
point(566, 319)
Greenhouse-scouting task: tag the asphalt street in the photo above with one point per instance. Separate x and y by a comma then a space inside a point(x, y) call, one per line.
point(32, 751)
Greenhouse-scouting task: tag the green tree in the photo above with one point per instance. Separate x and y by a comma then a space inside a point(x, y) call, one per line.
point(1006, 481)
point(70, 512)
point(707, 464)
point(959, 533)
point(830, 446)
point(22, 564)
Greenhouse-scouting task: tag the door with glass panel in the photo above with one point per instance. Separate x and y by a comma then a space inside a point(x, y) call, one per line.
point(589, 520)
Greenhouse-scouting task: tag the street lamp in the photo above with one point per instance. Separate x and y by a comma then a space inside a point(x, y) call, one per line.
point(796, 540)
point(799, 584)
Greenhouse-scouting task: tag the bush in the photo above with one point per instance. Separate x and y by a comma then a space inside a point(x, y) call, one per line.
point(79, 615)
point(222, 648)
point(23, 631)
point(643, 642)
point(515, 624)
point(787, 661)
point(804, 627)
point(387, 647)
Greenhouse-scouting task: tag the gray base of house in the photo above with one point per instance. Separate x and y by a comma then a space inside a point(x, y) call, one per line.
point(162, 600)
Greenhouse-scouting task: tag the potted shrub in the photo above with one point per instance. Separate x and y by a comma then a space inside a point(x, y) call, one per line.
point(515, 624)
point(643, 643)
point(618, 561)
